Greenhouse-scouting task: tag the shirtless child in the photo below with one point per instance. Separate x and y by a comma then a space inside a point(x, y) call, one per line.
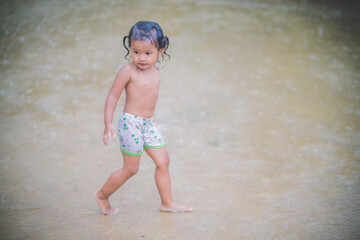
point(136, 131)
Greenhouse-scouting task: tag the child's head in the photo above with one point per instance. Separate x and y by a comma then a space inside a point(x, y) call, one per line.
point(147, 31)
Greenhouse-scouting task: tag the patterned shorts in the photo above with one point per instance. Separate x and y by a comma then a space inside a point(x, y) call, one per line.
point(137, 133)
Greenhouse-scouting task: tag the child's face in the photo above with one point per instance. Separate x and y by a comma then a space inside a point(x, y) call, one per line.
point(144, 54)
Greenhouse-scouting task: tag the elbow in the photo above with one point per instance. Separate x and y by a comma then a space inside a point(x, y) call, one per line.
point(111, 99)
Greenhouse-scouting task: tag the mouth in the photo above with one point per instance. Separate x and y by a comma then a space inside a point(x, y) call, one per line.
point(142, 64)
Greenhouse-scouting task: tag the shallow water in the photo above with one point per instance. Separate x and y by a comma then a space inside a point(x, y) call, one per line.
point(259, 105)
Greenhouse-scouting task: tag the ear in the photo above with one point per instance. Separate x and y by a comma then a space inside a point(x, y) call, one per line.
point(161, 51)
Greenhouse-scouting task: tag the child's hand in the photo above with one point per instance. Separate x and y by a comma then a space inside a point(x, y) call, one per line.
point(108, 132)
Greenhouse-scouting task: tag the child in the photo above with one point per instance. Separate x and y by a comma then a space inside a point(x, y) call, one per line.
point(136, 131)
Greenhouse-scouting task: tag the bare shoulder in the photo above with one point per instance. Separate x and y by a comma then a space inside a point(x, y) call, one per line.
point(126, 70)
point(124, 74)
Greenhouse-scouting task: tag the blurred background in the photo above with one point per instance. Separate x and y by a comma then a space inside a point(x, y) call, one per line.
point(259, 106)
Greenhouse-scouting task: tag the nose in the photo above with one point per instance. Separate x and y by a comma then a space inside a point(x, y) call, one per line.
point(142, 57)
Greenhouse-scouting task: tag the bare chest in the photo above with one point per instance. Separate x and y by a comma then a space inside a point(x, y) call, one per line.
point(144, 83)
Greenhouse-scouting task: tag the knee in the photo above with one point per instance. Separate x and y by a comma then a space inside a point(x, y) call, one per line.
point(164, 163)
point(131, 171)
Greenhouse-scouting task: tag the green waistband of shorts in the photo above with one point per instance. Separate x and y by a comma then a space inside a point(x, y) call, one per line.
point(131, 154)
point(160, 146)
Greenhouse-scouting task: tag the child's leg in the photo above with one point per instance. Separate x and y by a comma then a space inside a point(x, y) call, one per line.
point(115, 181)
point(162, 178)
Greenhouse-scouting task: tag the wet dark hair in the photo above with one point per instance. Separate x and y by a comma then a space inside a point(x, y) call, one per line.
point(150, 31)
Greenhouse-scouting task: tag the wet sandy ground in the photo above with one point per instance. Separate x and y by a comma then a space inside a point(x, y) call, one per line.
point(259, 105)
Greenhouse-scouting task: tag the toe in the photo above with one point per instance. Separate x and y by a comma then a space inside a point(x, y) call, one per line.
point(114, 210)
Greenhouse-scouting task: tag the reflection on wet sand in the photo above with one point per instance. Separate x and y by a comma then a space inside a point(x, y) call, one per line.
point(259, 106)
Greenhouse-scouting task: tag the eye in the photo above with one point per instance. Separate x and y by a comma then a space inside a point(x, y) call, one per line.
point(148, 53)
point(136, 52)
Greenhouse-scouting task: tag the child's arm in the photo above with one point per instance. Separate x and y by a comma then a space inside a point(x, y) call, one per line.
point(122, 78)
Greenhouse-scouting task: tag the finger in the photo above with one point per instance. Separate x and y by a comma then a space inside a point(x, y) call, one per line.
point(107, 139)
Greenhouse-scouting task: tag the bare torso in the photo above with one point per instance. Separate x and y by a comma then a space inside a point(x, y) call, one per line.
point(142, 91)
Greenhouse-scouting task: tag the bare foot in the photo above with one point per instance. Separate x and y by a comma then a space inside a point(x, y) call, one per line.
point(104, 204)
point(175, 208)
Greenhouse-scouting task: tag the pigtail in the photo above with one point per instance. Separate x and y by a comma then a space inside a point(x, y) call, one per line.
point(124, 43)
point(165, 44)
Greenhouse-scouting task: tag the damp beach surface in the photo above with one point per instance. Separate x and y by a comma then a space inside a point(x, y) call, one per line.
point(259, 106)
